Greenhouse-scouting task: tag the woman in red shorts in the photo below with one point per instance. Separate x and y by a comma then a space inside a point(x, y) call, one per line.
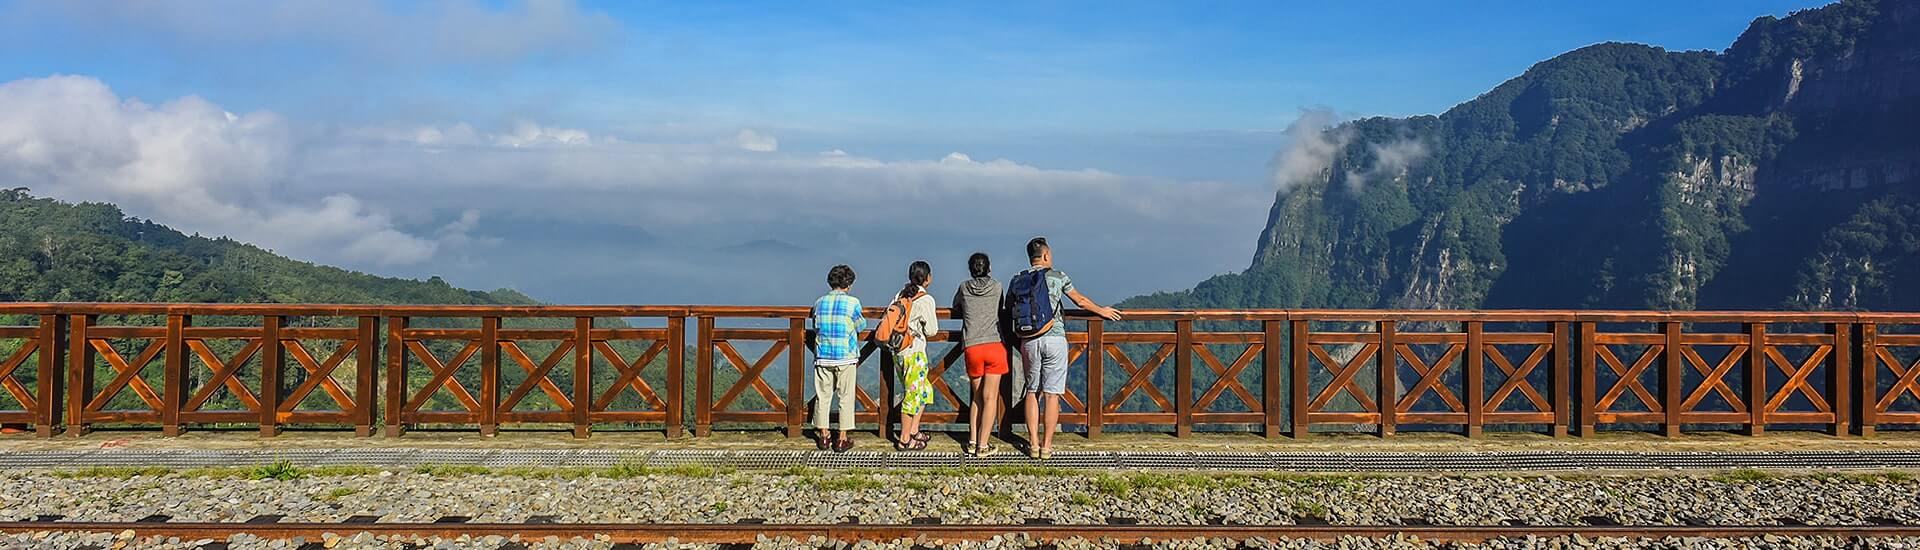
point(979, 306)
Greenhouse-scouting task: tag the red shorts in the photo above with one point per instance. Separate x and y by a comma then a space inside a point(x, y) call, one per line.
point(985, 359)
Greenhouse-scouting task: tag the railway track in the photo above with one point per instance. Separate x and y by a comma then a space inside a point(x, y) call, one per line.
point(747, 533)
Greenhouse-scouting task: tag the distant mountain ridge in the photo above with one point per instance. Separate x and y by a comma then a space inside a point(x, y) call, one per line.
point(92, 252)
point(1776, 174)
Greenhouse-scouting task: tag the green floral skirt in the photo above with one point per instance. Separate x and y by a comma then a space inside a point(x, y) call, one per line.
point(913, 376)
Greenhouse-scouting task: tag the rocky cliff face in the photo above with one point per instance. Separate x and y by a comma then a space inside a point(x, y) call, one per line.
point(1778, 173)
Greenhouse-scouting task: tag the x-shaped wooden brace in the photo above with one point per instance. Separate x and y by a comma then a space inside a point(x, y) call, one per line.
point(1629, 377)
point(126, 374)
point(1139, 378)
point(1517, 378)
point(1716, 377)
point(1229, 377)
point(225, 373)
point(629, 375)
point(750, 375)
point(1430, 377)
point(1909, 381)
point(1797, 378)
point(1343, 377)
point(1071, 401)
point(13, 386)
point(536, 375)
point(319, 375)
point(935, 376)
point(443, 375)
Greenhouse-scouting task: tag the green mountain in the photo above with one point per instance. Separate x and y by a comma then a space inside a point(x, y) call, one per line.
point(1778, 173)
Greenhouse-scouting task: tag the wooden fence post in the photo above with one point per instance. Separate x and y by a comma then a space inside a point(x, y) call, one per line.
point(489, 376)
point(1476, 379)
point(583, 376)
point(1297, 374)
point(1562, 391)
point(796, 370)
point(1588, 378)
point(1183, 378)
point(1271, 399)
point(272, 365)
point(1096, 377)
point(1388, 400)
point(396, 376)
point(1869, 388)
point(49, 375)
point(1757, 378)
point(703, 380)
point(174, 375)
point(79, 374)
point(366, 375)
point(676, 375)
point(1671, 390)
point(1840, 378)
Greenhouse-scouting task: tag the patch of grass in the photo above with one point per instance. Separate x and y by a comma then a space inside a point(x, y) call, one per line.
point(117, 472)
point(1005, 470)
point(738, 481)
point(341, 492)
point(626, 470)
point(452, 470)
point(1743, 475)
point(546, 473)
point(799, 471)
point(1311, 509)
point(279, 470)
point(988, 502)
point(1124, 485)
point(1080, 499)
point(345, 470)
point(917, 485)
point(848, 483)
point(719, 507)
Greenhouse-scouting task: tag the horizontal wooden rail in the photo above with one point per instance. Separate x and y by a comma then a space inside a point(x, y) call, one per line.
point(72, 366)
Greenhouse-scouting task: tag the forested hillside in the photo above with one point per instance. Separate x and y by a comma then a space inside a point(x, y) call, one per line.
point(1775, 174)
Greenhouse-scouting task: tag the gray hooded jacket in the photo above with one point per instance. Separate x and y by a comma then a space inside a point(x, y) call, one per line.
point(977, 303)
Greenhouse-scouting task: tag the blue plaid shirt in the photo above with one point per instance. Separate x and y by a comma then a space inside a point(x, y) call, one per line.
point(837, 318)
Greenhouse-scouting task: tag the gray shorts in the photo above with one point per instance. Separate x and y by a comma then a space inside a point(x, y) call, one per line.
point(1046, 363)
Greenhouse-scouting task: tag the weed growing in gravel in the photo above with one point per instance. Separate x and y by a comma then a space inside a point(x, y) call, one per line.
point(1080, 499)
point(719, 507)
point(917, 485)
point(738, 481)
point(626, 470)
point(280, 469)
point(451, 470)
point(1006, 470)
point(1311, 509)
point(120, 472)
point(986, 502)
point(1743, 475)
point(1123, 485)
point(341, 492)
point(799, 471)
point(546, 473)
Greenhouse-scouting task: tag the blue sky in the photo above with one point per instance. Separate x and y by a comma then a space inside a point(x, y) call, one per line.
point(1142, 97)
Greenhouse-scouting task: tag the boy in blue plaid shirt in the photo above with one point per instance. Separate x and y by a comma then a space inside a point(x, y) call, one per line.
point(836, 357)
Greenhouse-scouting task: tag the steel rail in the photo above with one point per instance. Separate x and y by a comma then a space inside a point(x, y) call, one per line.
point(749, 533)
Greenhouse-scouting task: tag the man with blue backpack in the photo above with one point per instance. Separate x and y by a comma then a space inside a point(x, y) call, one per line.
point(1036, 311)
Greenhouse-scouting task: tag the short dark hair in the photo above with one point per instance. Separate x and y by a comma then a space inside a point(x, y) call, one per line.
point(840, 277)
point(1035, 247)
point(978, 265)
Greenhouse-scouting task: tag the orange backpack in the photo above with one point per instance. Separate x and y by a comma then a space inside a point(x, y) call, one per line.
point(893, 332)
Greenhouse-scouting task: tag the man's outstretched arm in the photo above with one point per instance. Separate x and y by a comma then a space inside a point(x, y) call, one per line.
point(1109, 313)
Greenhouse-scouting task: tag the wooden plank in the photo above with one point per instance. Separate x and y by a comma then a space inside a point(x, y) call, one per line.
point(1229, 418)
point(738, 334)
point(1722, 339)
point(1839, 381)
point(1343, 337)
point(79, 372)
point(1429, 337)
point(127, 332)
point(47, 414)
point(366, 369)
point(1388, 369)
point(222, 333)
point(489, 376)
point(1228, 338)
point(1524, 337)
point(1432, 417)
point(1869, 387)
point(1344, 418)
point(19, 332)
point(630, 333)
point(1519, 417)
point(1589, 362)
point(443, 333)
point(318, 333)
point(1628, 338)
point(535, 334)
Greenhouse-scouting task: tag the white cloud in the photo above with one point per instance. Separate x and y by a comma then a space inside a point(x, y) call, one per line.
point(1390, 160)
point(186, 163)
point(403, 195)
point(464, 31)
point(1312, 141)
point(749, 140)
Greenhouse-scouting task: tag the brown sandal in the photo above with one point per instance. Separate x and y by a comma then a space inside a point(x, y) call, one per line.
point(922, 437)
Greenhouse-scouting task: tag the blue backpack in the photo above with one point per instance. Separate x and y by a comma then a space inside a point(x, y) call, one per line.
point(1030, 304)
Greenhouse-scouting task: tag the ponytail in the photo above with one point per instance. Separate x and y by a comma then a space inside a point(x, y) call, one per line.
point(917, 274)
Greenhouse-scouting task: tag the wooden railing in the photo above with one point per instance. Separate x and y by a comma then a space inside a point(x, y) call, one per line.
point(1273, 371)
